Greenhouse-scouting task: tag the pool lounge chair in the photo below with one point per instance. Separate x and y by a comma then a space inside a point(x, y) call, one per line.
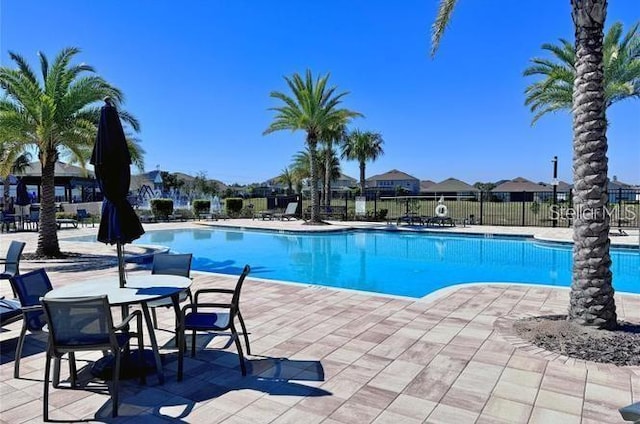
point(289, 212)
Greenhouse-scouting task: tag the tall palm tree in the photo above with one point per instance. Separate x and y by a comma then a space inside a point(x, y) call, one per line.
point(314, 108)
point(555, 90)
point(329, 137)
point(362, 146)
point(591, 299)
point(57, 116)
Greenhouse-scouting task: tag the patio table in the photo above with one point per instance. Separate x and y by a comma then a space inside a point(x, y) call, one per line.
point(139, 289)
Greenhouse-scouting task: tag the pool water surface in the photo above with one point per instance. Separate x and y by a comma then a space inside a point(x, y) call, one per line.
point(397, 263)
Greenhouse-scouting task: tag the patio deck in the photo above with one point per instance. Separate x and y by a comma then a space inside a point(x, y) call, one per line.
point(338, 356)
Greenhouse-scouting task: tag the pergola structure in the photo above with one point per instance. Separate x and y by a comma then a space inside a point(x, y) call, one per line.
point(67, 176)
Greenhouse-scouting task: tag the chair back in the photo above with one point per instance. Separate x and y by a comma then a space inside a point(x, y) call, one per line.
point(79, 323)
point(291, 208)
point(14, 253)
point(30, 288)
point(82, 214)
point(172, 264)
point(34, 215)
point(236, 293)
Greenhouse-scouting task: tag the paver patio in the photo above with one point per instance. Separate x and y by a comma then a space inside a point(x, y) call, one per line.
point(338, 356)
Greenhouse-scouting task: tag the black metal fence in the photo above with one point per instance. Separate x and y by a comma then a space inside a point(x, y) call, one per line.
point(509, 209)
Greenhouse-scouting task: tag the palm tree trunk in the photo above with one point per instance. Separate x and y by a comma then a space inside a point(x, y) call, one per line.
point(327, 175)
point(591, 299)
point(315, 199)
point(362, 181)
point(5, 195)
point(48, 237)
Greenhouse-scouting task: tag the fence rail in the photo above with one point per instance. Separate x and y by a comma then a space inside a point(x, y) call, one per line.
point(530, 209)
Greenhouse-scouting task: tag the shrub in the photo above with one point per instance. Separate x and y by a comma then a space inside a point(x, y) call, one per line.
point(161, 208)
point(234, 206)
point(382, 214)
point(185, 213)
point(65, 215)
point(201, 206)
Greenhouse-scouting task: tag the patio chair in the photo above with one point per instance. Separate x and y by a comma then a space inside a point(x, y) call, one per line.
point(85, 324)
point(83, 217)
point(170, 264)
point(207, 316)
point(30, 287)
point(289, 212)
point(12, 261)
point(33, 219)
point(6, 220)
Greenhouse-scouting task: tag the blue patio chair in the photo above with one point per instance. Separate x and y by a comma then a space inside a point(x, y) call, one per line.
point(85, 324)
point(12, 261)
point(213, 317)
point(30, 287)
point(170, 264)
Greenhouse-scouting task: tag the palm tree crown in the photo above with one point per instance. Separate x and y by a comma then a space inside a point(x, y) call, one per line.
point(555, 90)
point(56, 115)
point(313, 108)
point(362, 146)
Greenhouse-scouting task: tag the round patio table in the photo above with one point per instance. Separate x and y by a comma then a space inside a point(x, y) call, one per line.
point(139, 289)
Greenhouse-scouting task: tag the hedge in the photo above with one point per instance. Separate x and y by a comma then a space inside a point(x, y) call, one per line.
point(161, 208)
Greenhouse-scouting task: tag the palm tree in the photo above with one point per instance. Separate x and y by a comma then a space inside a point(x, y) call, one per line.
point(591, 299)
point(555, 90)
point(330, 136)
point(362, 146)
point(57, 116)
point(286, 177)
point(314, 108)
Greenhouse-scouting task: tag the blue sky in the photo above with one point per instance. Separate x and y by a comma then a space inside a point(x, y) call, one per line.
point(198, 74)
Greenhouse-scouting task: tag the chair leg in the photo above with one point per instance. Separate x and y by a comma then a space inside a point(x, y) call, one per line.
point(143, 373)
point(72, 368)
point(244, 331)
point(23, 333)
point(56, 372)
point(45, 397)
point(193, 343)
point(234, 334)
point(181, 347)
point(115, 379)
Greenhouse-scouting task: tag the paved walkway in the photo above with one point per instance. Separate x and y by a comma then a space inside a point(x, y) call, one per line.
point(332, 356)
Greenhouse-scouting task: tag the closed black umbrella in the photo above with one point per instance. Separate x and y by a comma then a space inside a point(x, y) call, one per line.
point(22, 195)
point(22, 199)
point(111, 159)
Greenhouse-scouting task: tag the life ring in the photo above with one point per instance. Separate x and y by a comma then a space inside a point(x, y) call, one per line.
point(441, 211)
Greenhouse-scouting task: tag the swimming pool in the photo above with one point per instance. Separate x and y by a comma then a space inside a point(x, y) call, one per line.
point(398, 263)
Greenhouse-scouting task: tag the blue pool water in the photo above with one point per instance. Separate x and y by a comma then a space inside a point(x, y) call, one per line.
point(398, 263)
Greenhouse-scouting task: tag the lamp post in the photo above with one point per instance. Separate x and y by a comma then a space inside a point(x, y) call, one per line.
point(554, 183)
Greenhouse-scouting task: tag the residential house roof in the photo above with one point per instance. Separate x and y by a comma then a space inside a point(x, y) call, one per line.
point(451, 185)
point(520, 184)
point(425, 184)
point(393, 175)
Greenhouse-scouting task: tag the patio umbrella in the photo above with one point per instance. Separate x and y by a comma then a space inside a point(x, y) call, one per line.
point(119, 223)
point(22, 195)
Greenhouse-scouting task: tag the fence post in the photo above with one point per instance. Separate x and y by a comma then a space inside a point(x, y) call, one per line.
point(346, 206)
point(481, 206)
point(523, 207)
point(620, 208)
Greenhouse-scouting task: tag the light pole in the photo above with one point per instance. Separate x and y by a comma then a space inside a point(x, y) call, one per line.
point(554, 183)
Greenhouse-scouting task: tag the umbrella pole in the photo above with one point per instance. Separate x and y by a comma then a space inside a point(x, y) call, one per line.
point(120, 265)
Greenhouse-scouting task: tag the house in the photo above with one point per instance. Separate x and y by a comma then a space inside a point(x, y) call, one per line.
point(452, 188)
point(521, 190)
point(389, 183)
point(621, 192)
